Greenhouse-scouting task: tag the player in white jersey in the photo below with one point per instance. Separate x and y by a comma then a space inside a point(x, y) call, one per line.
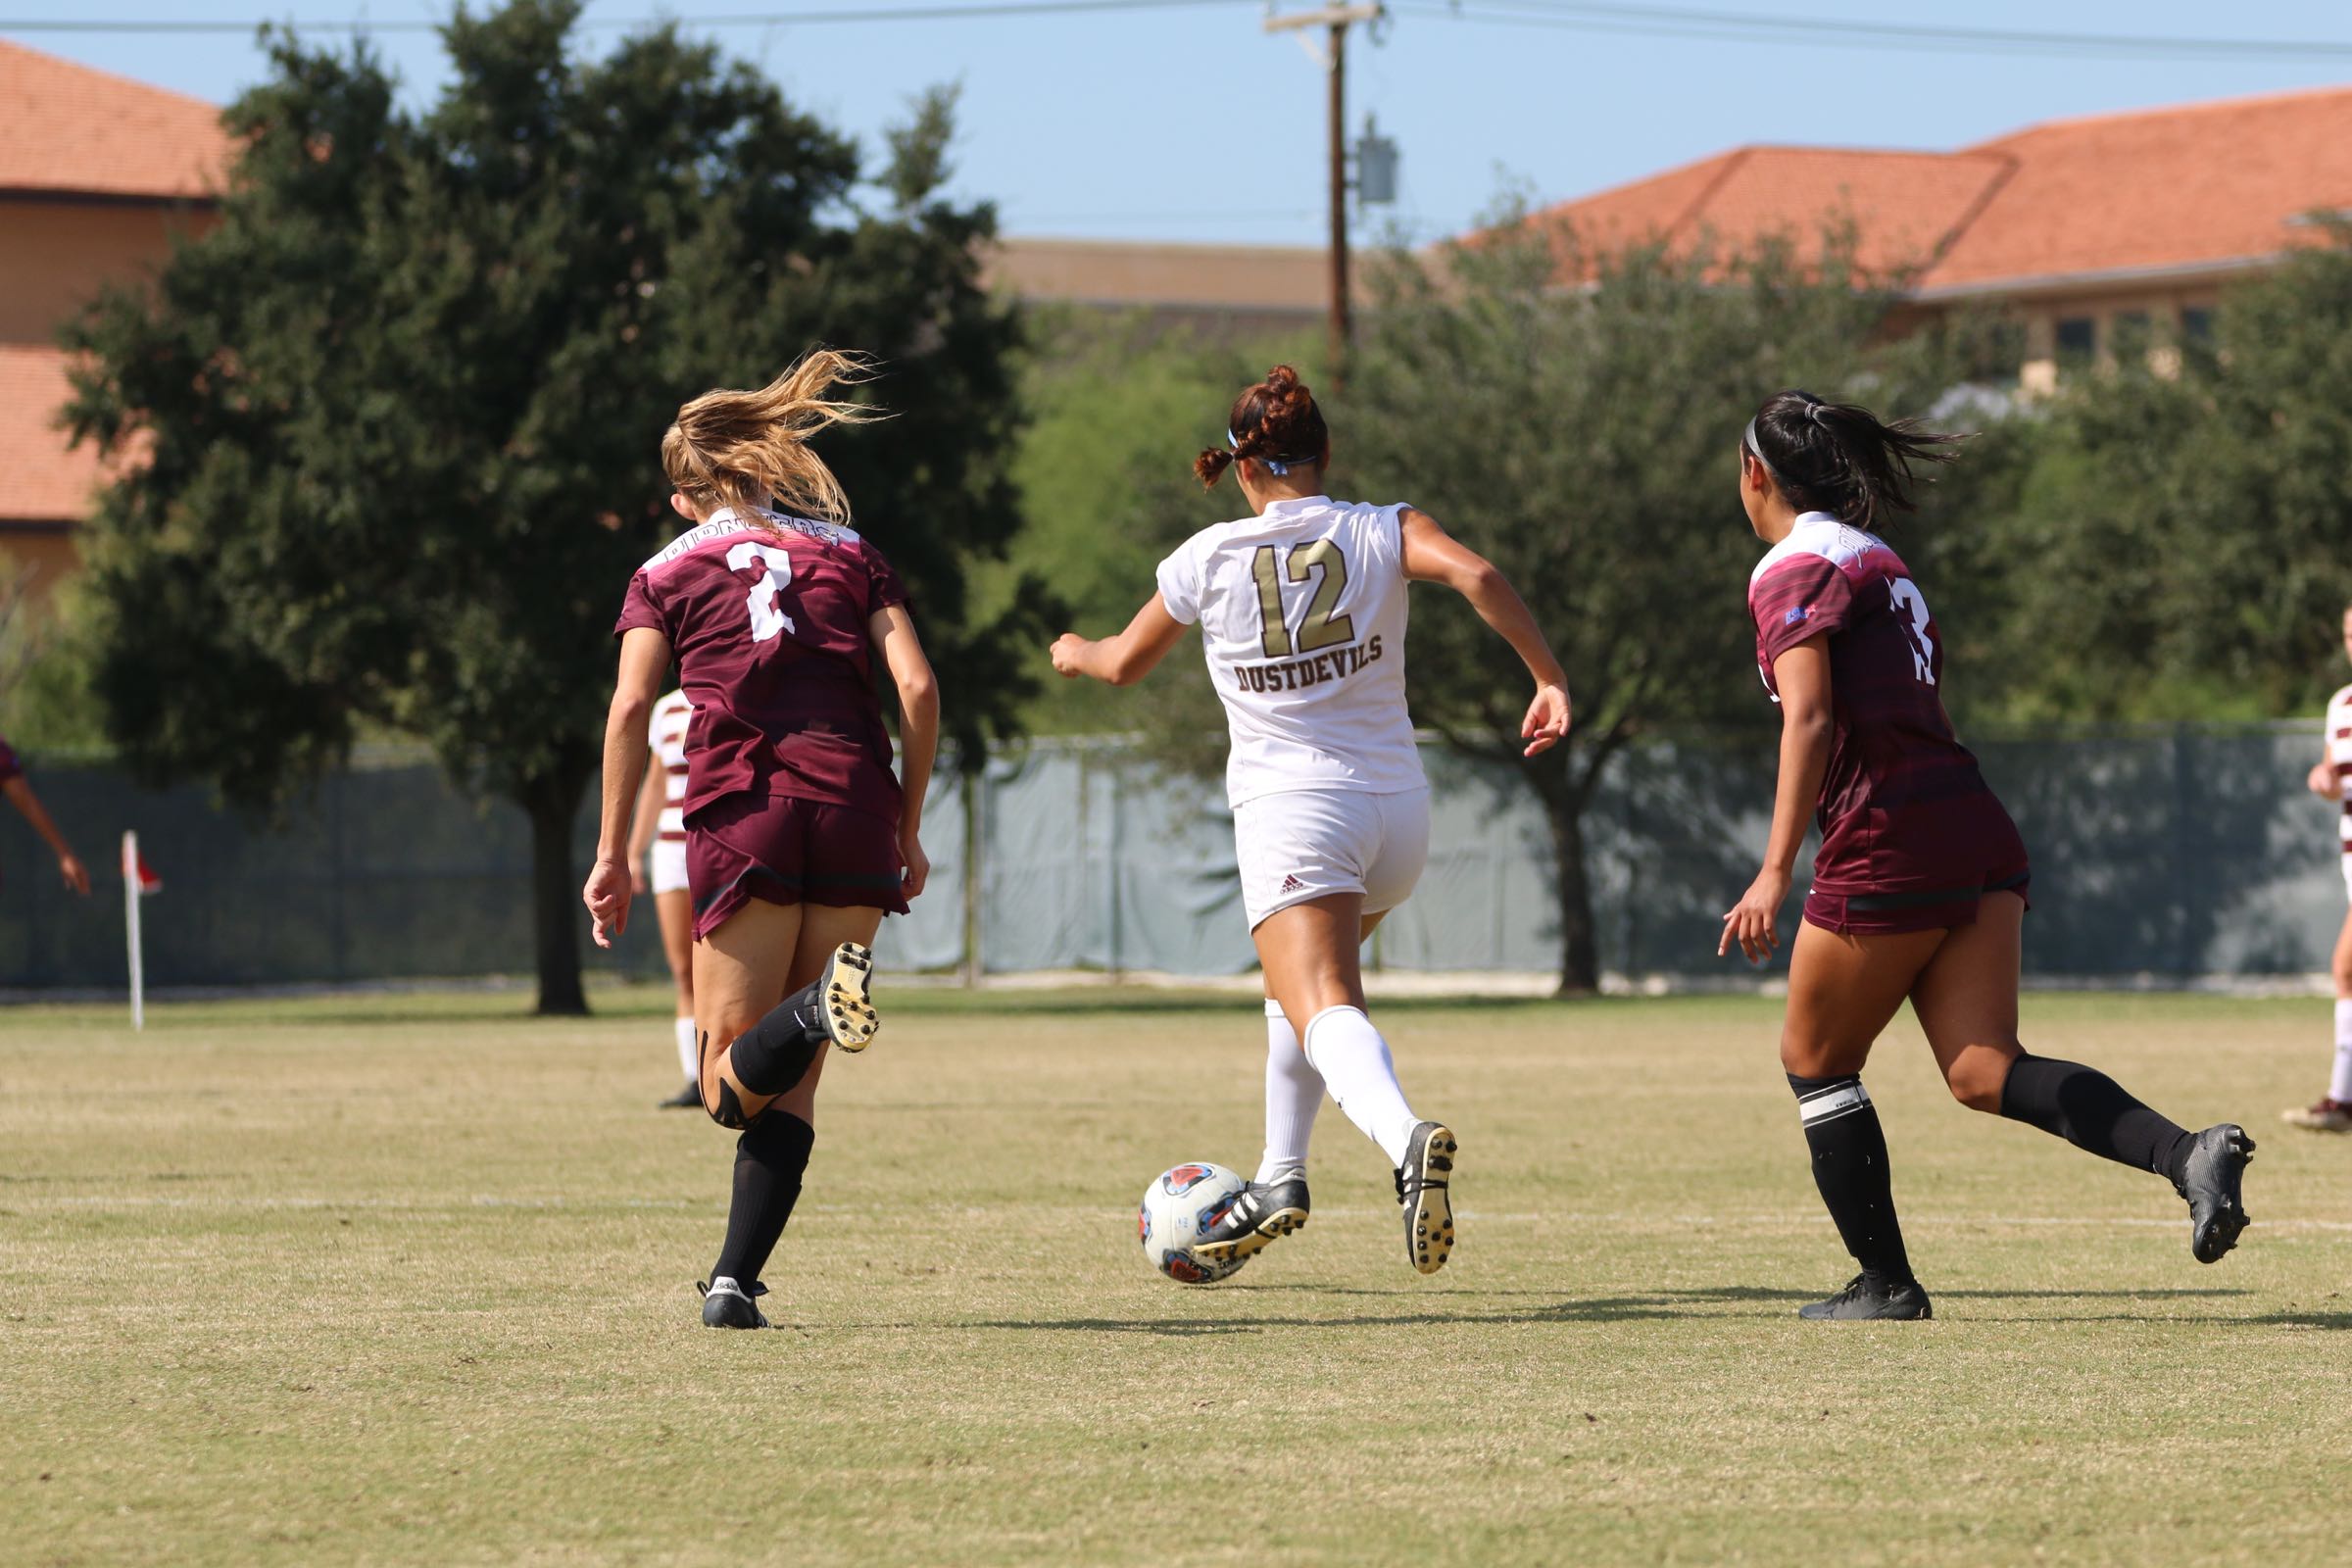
point(658, 843)
point(2331, 780)
point(1302, 608)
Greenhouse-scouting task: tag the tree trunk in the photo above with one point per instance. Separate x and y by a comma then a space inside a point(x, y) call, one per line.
point(557, 917)
point(1580, 940)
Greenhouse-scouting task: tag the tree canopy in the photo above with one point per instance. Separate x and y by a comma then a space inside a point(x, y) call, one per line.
point(396, 416)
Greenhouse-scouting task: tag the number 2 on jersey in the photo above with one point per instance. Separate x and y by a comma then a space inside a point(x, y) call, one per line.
point(1911, 608)
point(1321, 628)
point(767, 596)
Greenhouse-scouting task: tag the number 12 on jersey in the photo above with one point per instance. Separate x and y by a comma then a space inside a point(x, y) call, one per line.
point(1321, 628)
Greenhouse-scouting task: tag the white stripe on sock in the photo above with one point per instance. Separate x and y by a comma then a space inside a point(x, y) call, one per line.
point(689, 1052)
point(1828, 1104)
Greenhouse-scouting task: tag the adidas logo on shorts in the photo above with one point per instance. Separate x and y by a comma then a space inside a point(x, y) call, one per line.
point(1291, 884)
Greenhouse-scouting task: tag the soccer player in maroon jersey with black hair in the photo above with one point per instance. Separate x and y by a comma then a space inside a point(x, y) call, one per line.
point(18, 791)
point(799, 835)
point(1919, 886)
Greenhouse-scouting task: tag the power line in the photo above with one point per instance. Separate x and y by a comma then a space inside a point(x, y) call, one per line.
point(1731, 27)
point(760, 19)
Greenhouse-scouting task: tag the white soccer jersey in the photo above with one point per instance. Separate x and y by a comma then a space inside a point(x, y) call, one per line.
point(667, 733)
point(1302, 615)
point(2339, 753)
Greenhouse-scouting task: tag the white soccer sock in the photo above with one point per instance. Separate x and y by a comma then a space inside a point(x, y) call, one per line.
point(1294, 1094)
point(2339, 1083)
point(689, 1050)
point(1342, 1045)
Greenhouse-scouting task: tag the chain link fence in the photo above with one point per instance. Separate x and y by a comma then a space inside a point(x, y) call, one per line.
point(2177, 854)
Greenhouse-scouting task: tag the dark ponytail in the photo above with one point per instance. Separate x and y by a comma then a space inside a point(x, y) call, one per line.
point(1839, 457)
point(1276, 422)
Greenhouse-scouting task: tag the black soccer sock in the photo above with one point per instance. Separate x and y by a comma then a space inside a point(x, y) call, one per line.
point(769, 1158)
point(1849, 1167)
point(774, 1054)
point(2092, 1111)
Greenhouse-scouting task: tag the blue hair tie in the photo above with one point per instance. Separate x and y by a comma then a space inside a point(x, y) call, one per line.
point(1272, 465)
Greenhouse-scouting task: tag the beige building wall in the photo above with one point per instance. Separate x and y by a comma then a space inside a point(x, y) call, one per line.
point(55, 254)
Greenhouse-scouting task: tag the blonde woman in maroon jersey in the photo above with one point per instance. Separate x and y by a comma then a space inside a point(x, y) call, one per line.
point(799, 835)
point(1920, 884)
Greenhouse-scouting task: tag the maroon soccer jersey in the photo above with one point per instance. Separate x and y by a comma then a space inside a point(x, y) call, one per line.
point(1903, 806)
point(768, 624)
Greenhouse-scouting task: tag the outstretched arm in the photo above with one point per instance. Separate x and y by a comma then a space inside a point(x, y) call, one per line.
point(644, 657)
point(1801, 676)
point(1432, 555)
point(1126, 658)
point(894, 638)
point(69, 864)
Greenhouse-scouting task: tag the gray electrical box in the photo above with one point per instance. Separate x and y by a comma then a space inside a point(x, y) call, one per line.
point(1375, 167)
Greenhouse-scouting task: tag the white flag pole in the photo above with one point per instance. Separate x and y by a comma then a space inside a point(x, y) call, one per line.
point(130, 927)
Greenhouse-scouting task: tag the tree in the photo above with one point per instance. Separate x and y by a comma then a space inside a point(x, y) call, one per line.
point(2184, 549)
point(396, 416)
point(1584, 439)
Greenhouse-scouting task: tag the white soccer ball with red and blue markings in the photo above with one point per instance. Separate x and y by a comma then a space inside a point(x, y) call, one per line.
point(1180, 1203)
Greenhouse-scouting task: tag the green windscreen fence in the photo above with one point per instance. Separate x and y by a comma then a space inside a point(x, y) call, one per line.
point(2173, 852)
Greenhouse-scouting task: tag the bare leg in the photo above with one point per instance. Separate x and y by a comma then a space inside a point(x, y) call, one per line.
point(740, 971)
point(823, 928)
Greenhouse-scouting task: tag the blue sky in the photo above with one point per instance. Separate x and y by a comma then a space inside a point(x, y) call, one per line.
point(1191, 123)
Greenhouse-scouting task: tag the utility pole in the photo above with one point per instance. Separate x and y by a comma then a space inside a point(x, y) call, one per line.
point(1334, 61)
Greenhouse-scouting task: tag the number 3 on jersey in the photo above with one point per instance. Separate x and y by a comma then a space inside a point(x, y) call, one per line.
point(1321, 629)
point(1911, 608)
point(767, 596)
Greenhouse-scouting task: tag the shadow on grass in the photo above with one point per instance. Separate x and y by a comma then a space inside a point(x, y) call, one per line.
point(1657, 1305)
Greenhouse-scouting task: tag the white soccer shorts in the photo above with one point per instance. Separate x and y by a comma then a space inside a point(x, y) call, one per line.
point(665, 862)
point(1309, 844)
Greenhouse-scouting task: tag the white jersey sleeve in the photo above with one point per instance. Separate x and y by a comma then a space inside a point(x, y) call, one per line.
point(665, 732)
point(1302, 620)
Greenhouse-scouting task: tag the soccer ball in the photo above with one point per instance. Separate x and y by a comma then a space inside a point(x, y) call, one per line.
point(1178, 1205)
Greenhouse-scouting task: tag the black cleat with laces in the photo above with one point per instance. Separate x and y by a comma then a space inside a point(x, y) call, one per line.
point(1424, 1188)
point(1865, 1299)
point(729, 1306)
point(2214, 1183)
point(1262, 1214)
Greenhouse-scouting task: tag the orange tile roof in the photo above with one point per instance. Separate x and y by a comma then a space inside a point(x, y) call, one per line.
point(1906, 205)
point(67, 128)
point(2201, 187)
point(2160, 189)
point(41, 480)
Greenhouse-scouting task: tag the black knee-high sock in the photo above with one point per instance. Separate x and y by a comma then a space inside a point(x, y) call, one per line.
point(2092, 1111)
point(774, 1054)
point(769, 1158)
point(1850, 1166)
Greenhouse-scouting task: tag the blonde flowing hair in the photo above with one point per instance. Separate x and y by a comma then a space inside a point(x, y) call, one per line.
point(735, 449)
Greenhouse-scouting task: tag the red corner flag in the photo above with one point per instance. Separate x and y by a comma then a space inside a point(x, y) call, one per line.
point(136, 869)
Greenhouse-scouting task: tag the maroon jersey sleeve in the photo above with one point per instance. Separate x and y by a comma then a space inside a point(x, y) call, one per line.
point(10, 767)
point(888, 590)
point(640, 608)
point(1802, 598)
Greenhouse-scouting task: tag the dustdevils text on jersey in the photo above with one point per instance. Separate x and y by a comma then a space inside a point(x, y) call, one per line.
point(1303, 617)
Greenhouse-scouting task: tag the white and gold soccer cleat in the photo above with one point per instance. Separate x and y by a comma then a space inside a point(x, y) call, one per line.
point(844, 1010)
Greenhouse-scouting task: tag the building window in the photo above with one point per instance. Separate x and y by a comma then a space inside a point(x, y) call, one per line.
point(2196, 324)
point(2078, 339)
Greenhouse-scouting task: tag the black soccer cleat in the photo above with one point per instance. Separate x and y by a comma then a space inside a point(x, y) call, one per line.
point(845, 1012)
point(2214, 1183)
point(1260, 1216)
point(1863, 1302)
point(729, 1306)
point(1423, 1188)
point(688, 1097)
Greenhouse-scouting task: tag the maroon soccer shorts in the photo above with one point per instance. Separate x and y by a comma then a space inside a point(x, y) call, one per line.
point(788, 850)
point(1912, 910)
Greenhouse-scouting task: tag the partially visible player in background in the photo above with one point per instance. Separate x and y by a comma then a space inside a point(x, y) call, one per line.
point(19, 791)
point(799, 837)
point(2329, 780)
point(658, 843)
point(1303, 614)
point(1919, 886)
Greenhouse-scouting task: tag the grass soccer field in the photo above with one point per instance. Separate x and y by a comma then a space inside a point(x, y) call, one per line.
point(408, 1280)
